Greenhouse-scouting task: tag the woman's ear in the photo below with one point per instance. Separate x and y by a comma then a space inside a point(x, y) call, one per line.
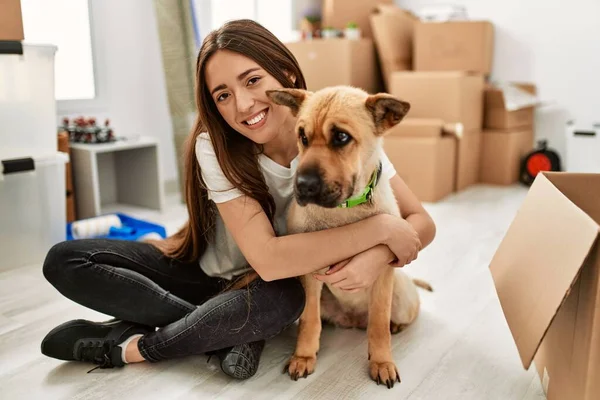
point(291, 76)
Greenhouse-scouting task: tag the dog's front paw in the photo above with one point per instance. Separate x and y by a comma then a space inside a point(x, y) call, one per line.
point(300, 367)
point(384, 372)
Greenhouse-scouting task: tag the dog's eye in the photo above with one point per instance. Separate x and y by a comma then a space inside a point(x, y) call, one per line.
point(340, 138)
point(302, 137)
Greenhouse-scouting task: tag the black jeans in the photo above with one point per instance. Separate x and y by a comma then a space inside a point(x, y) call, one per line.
point(135, 282)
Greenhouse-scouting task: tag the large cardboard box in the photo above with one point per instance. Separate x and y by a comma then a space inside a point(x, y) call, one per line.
point(454, 45)
point(331, 62)
point(455, 97)
point(547, 277)
point(11, 20)
point(393, 31)
point(423, 153)
point(501, 154)
point(509, 106)
point(338, 13)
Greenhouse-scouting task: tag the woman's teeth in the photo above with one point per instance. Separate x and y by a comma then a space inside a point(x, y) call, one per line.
point(256, 119)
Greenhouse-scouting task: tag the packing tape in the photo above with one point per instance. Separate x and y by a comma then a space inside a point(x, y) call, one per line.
point(94, 227)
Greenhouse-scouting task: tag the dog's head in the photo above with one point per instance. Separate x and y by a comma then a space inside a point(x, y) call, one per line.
point(339, 132)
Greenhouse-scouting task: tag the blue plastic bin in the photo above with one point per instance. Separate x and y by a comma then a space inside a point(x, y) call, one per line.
point(132, 229)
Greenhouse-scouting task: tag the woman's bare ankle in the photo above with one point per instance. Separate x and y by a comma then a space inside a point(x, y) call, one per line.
point(132, 353)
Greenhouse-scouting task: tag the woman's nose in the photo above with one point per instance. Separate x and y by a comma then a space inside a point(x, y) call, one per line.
point(245, 102)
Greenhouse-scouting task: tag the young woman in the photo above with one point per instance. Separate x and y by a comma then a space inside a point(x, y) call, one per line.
point(240, 162)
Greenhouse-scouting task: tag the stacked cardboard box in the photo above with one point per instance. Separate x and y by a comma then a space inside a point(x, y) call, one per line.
point(453, 97)
point(509, 132)
point(444, 79)
point(337, 61)
point(342, 60)
point(442, 69)
point(423, 151)
point(11, 21)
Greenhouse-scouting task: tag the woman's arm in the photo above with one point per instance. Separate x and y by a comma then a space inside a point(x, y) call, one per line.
point(413, 211)
point(363, 269)
point(276, 257)
point(415, 214)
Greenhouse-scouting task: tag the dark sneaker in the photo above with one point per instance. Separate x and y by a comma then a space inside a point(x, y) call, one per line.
point(241, 361)
point(95, 342)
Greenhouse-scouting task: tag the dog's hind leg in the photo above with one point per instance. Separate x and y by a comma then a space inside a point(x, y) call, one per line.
point(381, 366)
point(303, 362)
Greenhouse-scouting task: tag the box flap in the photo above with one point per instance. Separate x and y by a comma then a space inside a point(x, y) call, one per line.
point(538, 261)
point(515, 96)
point(392, 9)
point(583, 189)
point(493, 97)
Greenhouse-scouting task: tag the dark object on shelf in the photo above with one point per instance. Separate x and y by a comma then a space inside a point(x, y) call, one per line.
point(538, 160)
point(85, 130)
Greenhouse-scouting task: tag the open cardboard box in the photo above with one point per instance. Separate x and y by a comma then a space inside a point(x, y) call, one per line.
point(547, 276)
point(393, 29)
point(510, 105)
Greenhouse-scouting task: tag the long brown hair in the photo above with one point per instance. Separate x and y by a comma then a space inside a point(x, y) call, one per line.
point(252, 40)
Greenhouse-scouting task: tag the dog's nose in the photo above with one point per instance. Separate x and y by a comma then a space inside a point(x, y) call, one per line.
point(308, 184)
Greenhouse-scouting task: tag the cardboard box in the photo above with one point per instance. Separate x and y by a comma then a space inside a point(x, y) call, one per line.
point(424, 156)
point(338, 13)
point(547, 277)
point(393, 31)
point(455, 97)
point(454, 46)
point(502, 153)
point(467, 159)
point(11, 20)
point(71, 213)
point(509, 106)
point(331, 62)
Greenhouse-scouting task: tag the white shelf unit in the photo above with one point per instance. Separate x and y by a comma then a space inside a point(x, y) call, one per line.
point(108, 175)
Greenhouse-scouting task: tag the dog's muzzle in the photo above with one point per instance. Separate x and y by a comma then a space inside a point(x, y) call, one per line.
point(310, 187)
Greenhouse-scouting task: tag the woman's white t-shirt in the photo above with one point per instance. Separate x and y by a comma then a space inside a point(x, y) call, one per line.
point(223, 257)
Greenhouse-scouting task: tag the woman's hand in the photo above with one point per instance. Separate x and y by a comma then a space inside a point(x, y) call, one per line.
point(403, 240)
point(360, 271)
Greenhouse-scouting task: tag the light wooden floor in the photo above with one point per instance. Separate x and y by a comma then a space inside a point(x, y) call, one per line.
point(459, 348)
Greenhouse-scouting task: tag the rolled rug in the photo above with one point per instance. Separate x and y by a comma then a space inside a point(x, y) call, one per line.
point(94, 227)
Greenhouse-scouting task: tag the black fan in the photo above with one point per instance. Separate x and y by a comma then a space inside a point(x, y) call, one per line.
point(539, 160)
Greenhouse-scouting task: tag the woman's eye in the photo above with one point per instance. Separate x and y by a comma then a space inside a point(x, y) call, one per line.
point(341, 138)
point(253, 81)
point(222, 97)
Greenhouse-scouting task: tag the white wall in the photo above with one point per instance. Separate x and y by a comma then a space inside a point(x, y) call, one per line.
point(129, 75)
point(554, 43)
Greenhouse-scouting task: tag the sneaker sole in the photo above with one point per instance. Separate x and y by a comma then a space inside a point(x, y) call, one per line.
point(241, 364)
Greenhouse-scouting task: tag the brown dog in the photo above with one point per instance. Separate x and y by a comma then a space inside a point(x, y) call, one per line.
point(340, 133)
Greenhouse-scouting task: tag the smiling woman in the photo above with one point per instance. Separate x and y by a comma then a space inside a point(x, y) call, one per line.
point(240, 164)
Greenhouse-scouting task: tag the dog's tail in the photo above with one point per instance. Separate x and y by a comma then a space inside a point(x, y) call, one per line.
point(422, 284)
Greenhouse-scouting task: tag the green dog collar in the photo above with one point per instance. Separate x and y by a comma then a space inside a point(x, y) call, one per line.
point(366, 195)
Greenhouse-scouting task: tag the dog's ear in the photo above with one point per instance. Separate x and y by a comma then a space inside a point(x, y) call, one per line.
point(292, 98)
point(387, 110)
